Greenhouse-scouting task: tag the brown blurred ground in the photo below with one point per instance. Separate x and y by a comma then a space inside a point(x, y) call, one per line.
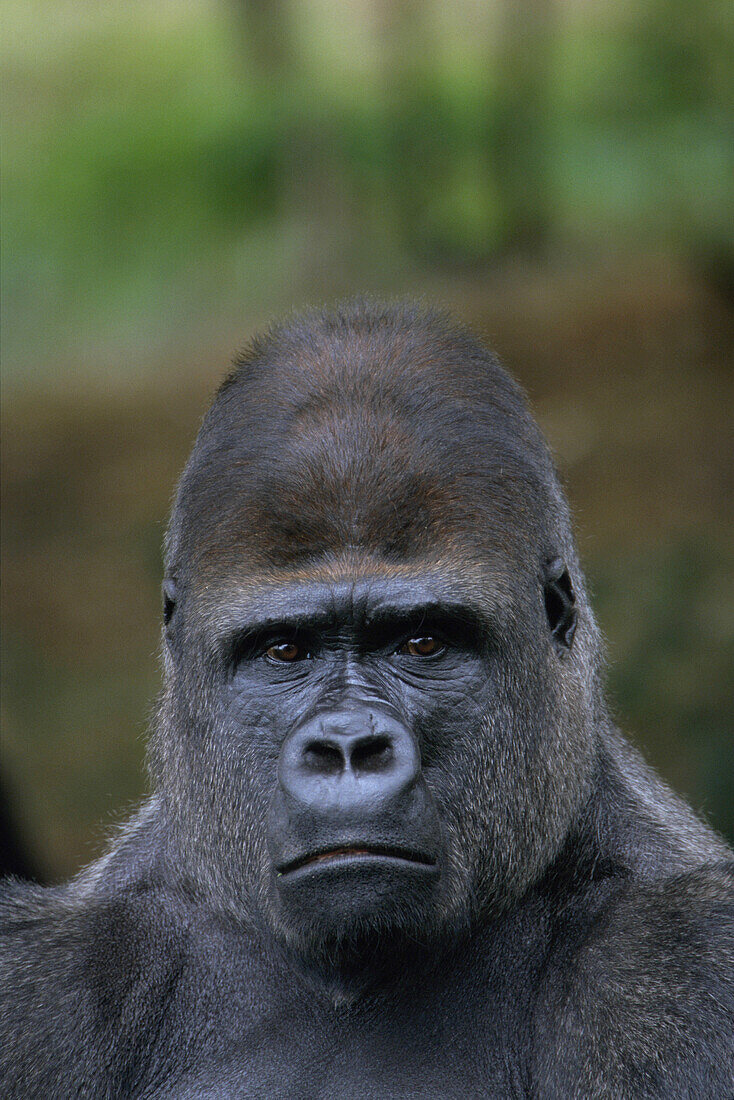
point(631, 373)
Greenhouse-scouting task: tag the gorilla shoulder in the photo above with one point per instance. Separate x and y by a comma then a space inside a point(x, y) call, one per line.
point(644, 1007)
point(83, 980)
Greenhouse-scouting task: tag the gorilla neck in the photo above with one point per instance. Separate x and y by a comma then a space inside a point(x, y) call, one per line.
point(374, 965)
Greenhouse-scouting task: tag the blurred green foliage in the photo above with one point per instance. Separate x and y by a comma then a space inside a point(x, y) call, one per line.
point(161, 153)
point(672, 613)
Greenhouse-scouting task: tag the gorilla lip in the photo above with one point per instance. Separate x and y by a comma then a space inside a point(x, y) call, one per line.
point(342, 852)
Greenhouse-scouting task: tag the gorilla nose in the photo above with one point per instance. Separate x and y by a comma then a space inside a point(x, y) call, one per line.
point(354, 759)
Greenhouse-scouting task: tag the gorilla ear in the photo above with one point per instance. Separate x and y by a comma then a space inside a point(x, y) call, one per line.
point(560, 603)
point(169, 599)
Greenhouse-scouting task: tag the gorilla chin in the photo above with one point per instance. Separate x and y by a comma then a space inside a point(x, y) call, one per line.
point(348, 895)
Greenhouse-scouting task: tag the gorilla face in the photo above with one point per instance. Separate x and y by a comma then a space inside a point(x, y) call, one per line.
point(371, 689)
point(367, 759)
point(364, 691)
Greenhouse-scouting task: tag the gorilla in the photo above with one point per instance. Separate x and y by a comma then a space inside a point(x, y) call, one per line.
point(395, 846)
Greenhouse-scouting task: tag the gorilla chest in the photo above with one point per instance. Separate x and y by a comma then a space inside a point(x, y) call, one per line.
point(444, 1044)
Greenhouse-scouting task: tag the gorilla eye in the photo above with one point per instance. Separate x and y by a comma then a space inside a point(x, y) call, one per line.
point(286, 652)
point(421, 647)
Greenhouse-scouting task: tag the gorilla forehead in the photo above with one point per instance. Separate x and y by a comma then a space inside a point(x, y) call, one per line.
point(384, 428)
point(359, 587)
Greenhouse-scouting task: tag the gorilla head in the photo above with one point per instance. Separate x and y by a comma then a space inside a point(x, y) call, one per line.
point(381, 668)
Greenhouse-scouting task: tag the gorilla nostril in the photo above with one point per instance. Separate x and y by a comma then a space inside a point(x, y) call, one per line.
point(320, 756)
point(372, 754)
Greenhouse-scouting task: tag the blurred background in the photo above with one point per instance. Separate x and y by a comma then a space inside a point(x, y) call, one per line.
point(178, 172)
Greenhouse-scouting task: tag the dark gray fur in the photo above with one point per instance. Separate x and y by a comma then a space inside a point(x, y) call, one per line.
point(583, 944)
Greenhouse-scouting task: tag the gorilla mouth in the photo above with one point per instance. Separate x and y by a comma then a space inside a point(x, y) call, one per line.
point(329, 855)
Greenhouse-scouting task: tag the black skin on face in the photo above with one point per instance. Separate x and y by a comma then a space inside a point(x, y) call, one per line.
point(394, 846)
point(355, 675)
